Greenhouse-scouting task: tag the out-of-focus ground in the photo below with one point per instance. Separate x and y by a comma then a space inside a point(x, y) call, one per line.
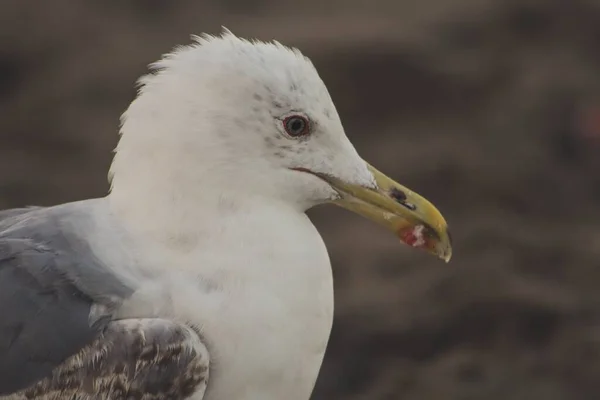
point(490, 108)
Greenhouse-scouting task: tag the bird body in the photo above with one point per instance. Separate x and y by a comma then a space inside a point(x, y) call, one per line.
point(199, 276)
point(276, 313)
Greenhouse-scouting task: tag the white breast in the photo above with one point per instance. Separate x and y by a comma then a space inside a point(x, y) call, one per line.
point(264, 303)
point(269, 339)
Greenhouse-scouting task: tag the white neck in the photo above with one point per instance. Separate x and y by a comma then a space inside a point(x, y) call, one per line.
point(198, 220)
point(268, 265)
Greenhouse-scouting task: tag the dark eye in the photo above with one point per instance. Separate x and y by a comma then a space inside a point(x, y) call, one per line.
point(296, 126)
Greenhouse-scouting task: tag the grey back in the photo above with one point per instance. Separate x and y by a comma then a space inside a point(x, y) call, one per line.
point(55, 296)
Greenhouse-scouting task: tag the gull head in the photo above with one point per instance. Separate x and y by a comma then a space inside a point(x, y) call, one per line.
point(237, 119)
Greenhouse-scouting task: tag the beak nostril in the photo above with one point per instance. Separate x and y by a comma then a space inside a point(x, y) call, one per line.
point(400, 198)
point(398, 195)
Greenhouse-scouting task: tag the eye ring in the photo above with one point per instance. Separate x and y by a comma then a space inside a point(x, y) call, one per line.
point(296, 126)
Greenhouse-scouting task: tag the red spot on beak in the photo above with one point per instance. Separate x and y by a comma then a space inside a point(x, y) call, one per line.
point(413, 236)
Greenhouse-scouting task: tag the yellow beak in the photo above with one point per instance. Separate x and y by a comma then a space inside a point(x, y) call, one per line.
point(413, 218)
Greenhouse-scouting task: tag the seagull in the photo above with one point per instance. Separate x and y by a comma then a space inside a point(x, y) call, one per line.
point(199, 275)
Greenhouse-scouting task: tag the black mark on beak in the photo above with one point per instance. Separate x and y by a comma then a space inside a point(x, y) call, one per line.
point(400, 198)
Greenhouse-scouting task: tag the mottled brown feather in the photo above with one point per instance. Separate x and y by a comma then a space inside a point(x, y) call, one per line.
point(135, 359)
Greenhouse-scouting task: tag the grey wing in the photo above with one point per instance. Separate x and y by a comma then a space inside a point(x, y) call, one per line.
point(13, 212)
point(7, 217)
point(58, 337)
point(44, 317)
point(132, 359)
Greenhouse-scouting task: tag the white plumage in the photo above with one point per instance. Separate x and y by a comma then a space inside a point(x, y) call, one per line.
point(227, 145)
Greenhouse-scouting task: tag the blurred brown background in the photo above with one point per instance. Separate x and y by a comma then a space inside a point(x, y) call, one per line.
point(490, 108)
